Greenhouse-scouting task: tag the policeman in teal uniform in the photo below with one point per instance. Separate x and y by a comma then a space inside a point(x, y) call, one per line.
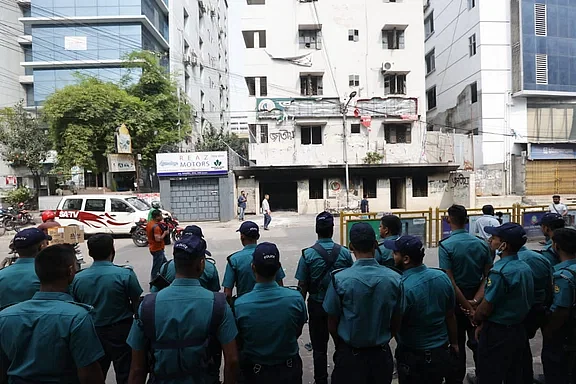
point(390, 229)
point(239, 268)
point(313, 275)
point(50, 338)
point(559, 342)
point(353, 298)
point(270, 320)
point(209, 279)
point(549, 223)
point(428, 336)
point(114, 292)
point(179, 321)
point(509, 295)
point(19, 282)
point(467, 260)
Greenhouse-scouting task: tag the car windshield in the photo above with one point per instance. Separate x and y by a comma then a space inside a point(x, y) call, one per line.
point(139, 204)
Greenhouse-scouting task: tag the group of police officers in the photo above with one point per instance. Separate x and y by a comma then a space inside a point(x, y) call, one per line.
point(59, 325)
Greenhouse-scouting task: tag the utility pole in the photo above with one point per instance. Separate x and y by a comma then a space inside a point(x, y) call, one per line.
point(344, 111)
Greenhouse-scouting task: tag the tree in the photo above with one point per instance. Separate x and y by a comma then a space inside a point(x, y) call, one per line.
point(23, 143)
point(218, 140)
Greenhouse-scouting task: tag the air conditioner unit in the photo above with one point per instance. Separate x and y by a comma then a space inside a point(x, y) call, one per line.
point(386, 67)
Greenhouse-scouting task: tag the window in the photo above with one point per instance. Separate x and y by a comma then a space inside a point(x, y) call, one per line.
point(369, 187)
point(429, 25)
point(315, 189)
point(394, 84)
point(472, 45)
point(256, 2)
point(120, 206)
point(355, 128)
point(471, 4)
point(72, 204)
point(431, 61)
point(540, 22)
point(398, 133)
point(310, 85)
point(263, 133)
point(431, 98)
point(310, 38)
point(541, 69)
point(420, 186)
point(186, 18)
point(95, 205)
point(251, 84)
point(251, 41)
point(474, 92)
point(392, 39)
point(353, 35)
point(263, 86)
point(311, 134)
point(252, 133)
point(354, 80)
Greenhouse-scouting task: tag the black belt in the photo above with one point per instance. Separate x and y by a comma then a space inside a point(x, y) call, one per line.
point(128, 320)
point(257, 368)
point(357, 351)
point(504, 326)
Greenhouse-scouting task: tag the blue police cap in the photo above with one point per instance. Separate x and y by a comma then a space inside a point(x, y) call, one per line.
point(250, 229)
point(509, 232)
point(406, 245)
point(192, 230)
point(29, 237)
point(362, 233)
point(550, 218)
point(324, 220)
point(190, 247)
point(266, 254)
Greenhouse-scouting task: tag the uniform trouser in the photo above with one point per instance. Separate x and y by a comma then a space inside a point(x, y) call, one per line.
point(533, 321)
point(319, 337)
point(500, 353)
point(465, 329)
point(116, 351)
point(558, 363)
point(425, 366)
point(289, 372)
point(362, 365)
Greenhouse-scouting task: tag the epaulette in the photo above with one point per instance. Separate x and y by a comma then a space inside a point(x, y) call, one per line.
point(438, 269)
point(7, 306)
point(393, 269)
point(127, 266)
point(229, 257)
point(87, 307)
point(336, 271)
point(211, 260)
point(293, 287)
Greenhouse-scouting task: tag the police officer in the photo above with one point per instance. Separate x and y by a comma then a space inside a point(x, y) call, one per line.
point(509, 295)
point(179, 321)
point(239, 268)
point(313, 275)
point(549, 223)
point(50, 338)
point(428, 337)
point(390, 229)
point(558, 350)
point(114, 292)
point(363, 306)
point(270, 320)
point(467, 260)
point(209, 278)
point(19, 282)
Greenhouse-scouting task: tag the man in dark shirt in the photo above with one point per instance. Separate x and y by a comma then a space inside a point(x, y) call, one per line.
point(364, 207)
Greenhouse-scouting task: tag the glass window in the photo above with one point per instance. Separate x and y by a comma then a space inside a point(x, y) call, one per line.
point(120, 206)
point(95, 205)
point(316, 189)
point(420, 186)
point(139, 204)
point(72, 204)
point(369, 187)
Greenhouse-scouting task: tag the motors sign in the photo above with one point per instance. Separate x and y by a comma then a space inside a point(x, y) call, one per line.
point(192, 164)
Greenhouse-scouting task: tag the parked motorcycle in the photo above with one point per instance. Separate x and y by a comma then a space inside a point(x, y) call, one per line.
point(140, 237)
point(138, 233)
point(174, 228)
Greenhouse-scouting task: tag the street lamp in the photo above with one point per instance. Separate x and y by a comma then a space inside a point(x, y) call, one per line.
point(344, 111)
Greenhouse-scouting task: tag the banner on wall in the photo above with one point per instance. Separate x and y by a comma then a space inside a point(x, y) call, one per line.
point(192, 164)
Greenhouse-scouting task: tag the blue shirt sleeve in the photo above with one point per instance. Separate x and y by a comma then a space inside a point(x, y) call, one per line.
point(332, 304)
point(303, 314)
point(487, 255)
point(133, 286)
point(136, 339)
point(227, 331)
point(85, 345)
point(229, 276)
point(563, 293)
point(302, 270)
point(348, 257)
point(214, 281)
point(495, 288)
point(444, 258)
point(280, 275)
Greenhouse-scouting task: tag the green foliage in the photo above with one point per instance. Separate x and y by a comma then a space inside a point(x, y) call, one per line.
point(19, 195)
point(373, 158)
point(216, 140)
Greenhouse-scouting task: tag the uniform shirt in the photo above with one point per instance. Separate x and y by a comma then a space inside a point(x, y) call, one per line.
point(541, 271)
point(265, 206)
point(108, 288)
point(270, 320)
point(513, 297)
point(208, 280)
point(549, 254)
point(466, 256)
point(427, 296)
point(18, 282)
point(385, 256)
point(364, 297)
point(48, 338)
point(483, 222)
point(311, 266)
point(557, 208)
point(154, 228)
point(183, 311)
point(563, 285)
point(239, 271)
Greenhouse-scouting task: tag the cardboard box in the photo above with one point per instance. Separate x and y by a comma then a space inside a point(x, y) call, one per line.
point(66, 235)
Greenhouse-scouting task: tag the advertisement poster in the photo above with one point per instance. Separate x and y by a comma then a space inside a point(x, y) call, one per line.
point(192, 164)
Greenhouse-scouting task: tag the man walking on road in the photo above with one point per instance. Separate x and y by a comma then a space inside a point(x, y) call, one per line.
point(266, 211)
point(241, 205)
point(156, 233)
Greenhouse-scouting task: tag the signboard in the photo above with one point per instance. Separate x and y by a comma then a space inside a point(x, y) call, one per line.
point(75, 43)
point(121, 163)
point(446, 227)
point(123, 140)
point(410, 226)
point(192, 164)
point(530, 219)
point(561, 151)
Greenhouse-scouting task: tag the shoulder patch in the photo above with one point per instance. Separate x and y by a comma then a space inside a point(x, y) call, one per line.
point(87, 307)
point(211, 260)
point(488, 282)
point(293, 288)
point(556, 288)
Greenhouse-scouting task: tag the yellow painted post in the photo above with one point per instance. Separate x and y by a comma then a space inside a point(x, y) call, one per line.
point(342, 228)
point(438, 223)
point(429, 232)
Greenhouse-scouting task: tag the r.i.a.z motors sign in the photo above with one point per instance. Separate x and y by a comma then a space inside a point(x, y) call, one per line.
point(192, 164)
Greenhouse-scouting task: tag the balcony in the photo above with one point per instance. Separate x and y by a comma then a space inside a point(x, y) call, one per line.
point(26, 79)
point(25, 40)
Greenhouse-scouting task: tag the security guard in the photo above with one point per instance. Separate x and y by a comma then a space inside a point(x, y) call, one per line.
point(509, 295)
point(180, 321)
point(428, 338)
point(270, 320)
point(209, 279)
point(467, 260)
point(50, 338)
point(363, 306)
point(19, 282)
point(559, 347)
point(549, 223)
point(313, 275)
point(390, 229)
point(239, 268)
point(114, 292)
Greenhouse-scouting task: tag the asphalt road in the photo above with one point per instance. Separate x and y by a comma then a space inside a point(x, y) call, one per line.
point(290, 232)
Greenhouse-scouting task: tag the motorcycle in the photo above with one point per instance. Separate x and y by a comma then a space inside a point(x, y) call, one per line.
point(138, 233)
point(174, 228)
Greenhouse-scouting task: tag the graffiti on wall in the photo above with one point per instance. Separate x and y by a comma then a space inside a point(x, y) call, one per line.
point(281, 135)
point(458, 180)
point(438, 186)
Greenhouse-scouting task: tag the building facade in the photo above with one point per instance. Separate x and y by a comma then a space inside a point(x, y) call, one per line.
point(333, 84)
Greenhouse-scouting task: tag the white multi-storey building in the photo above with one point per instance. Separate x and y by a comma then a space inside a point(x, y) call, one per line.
point(338, 92)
